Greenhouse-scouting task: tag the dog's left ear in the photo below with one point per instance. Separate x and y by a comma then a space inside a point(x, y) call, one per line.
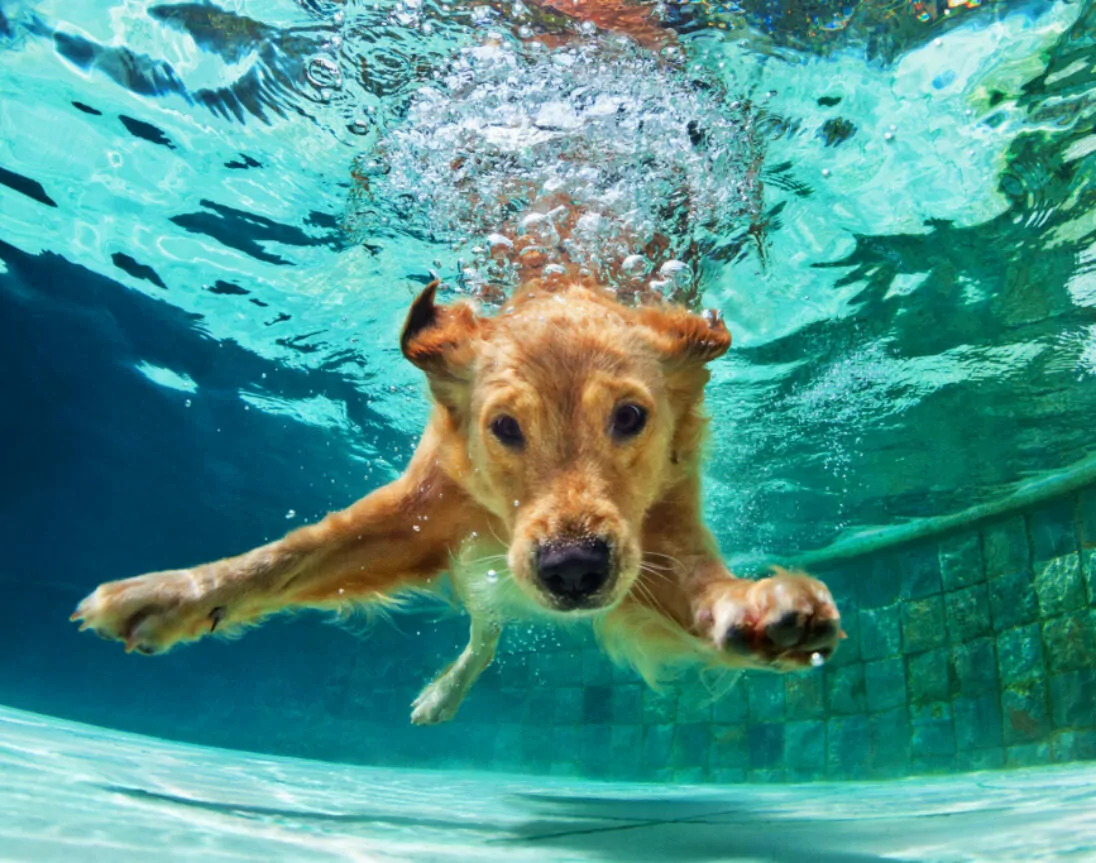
point(685, 339)
point(439, 340)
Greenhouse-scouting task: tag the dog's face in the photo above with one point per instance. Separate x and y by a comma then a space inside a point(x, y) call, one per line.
point(567, 416)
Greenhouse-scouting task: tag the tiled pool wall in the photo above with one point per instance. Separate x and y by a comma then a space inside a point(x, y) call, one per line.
point(975, 649)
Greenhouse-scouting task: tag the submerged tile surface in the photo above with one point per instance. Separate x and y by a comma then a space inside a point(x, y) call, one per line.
point(70, 791)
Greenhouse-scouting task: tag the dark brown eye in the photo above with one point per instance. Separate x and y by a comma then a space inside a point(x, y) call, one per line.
point(506, 429)
point(628, 421)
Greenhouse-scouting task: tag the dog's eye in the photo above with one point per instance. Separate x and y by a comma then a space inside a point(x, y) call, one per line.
point(507, 430)
point(628, 420)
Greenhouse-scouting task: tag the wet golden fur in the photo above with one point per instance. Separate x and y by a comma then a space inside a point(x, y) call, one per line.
point(558, 362)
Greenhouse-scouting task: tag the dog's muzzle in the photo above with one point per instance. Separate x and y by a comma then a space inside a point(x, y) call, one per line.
point(573, 572)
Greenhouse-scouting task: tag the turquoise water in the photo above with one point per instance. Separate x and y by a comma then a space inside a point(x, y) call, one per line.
point(212, 220)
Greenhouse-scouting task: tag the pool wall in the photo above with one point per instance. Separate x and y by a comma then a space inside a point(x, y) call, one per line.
point(974, 649)
point(971, 650)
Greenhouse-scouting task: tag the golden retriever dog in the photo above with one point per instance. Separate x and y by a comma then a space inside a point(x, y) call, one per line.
point(558, 477)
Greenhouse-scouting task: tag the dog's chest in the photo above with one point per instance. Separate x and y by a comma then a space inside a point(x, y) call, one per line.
point(482, 580)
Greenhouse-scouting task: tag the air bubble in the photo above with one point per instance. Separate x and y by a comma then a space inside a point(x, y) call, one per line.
point(323, 73)
point(540, 228)
point(598, 143)
point(634, 265)
point(291, 513)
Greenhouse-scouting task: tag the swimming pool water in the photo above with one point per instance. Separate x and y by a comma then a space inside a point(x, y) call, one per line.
point(200, 311)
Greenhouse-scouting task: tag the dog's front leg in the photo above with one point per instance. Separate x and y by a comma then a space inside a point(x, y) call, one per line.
point(439, 701)
point(398, 536)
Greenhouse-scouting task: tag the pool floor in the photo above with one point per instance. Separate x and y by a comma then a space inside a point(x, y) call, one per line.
point(77, 792)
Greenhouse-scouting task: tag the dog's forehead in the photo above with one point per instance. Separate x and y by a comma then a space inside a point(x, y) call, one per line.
point(559, 339)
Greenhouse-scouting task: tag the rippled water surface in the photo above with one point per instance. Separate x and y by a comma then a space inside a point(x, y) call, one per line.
point(891, 205)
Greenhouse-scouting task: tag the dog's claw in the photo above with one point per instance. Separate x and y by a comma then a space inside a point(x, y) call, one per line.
point(787, 631)
point(823, 632)
point(737, 640)
point(216, 616)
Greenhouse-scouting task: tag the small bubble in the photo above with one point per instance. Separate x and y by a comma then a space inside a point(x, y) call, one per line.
point(517, 503)
point(634, 265)
point(291, 513)
point(492, 576)
point(187, 403)
point(323, 74)
point(415, 528)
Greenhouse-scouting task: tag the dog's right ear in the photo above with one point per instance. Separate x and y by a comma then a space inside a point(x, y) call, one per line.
point(439, 340)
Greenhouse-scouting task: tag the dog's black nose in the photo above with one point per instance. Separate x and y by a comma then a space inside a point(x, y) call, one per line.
point(573, 571)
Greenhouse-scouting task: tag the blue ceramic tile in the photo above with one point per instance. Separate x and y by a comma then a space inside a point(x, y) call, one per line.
point(880, 632)
point(1005, 547)
point(961, 560)
point(885, 682)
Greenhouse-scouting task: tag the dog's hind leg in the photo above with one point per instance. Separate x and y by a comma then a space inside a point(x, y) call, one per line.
point(439, 701)
point(399, 536)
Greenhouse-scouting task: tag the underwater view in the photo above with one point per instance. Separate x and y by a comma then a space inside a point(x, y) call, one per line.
point(460, 273)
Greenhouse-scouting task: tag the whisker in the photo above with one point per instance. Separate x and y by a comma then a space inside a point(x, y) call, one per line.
point(654, 574)
point(649, 594)
point(490, 558)
point(498, 539)
point(669, 557)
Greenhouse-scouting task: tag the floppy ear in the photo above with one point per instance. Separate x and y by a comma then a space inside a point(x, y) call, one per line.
point(685, 339)
point(438, 339)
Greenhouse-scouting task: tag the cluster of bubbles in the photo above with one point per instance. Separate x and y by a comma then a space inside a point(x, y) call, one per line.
point(597, 157)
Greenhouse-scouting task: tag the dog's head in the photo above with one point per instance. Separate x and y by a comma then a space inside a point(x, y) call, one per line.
point(567, 416)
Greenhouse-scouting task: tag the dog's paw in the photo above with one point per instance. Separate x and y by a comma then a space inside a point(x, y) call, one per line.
point(438, 702)
point(150, 613)
point(781, 622)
